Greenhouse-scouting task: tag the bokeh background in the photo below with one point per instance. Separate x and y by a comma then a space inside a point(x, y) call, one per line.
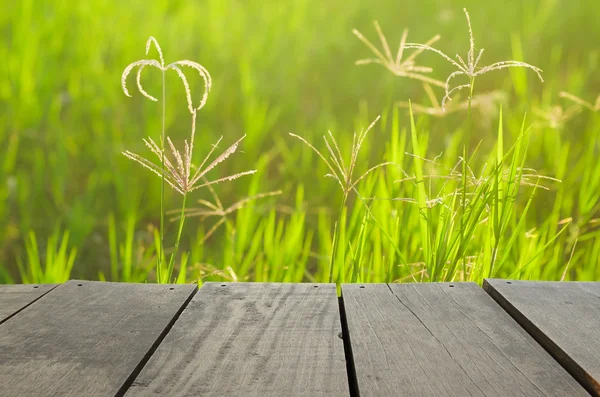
point(277, 67)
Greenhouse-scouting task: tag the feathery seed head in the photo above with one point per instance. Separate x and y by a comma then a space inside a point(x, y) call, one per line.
point(402, 68)
point(595, 107)
point(176, 66)
point(470, 68)
point(339, 171)
point(555, 117)
point(151, 40)
point(178, 174)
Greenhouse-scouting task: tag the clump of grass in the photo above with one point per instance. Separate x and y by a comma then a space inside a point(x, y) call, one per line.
point(132, 255)
point(449, 220)
point(470, 69)
point(467, 204)
point(55, 266)
point(343, 173)
point(38, 185)
point(177, 172)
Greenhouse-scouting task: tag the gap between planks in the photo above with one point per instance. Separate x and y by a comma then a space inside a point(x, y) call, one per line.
point(554, 347)
point(347, 343)
point(252, 339)
point(350, 367)
point(86, 337)
point(136, 371)
point(37, 290)
point(504, 347)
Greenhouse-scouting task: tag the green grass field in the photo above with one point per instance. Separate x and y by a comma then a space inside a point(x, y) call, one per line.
point(506, 187)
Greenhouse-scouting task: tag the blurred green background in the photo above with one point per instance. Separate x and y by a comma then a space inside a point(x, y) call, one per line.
point(277, 67)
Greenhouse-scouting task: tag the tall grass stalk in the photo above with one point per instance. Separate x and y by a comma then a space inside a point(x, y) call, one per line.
point(344, 175)
point(178, 172)
point(162, 178)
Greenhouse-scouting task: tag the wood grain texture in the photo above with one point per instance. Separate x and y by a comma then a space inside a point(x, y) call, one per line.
point(444, 339)
point(563, 316)
point(16, 297)
point(251, 340)
point(85, 338)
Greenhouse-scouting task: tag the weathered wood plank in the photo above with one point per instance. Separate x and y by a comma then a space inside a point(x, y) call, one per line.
point(444, 339)
point(85, 338)
point(251, 340)
point(16, 297)
point(564, 317)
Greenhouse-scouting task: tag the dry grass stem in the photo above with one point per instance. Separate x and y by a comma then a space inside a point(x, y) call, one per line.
point(206, 270)
point(595, 107)
point(564, 275)
point(217, 209)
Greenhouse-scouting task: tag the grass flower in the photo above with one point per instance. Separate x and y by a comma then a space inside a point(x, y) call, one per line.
point(341, 171)
point(486, 102)
point(179, 173)
point(470, 68)
point(595, 107)
point(398, 66)
point(176, 66)
point(556, 116)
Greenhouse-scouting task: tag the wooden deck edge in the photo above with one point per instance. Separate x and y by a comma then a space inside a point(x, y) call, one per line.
point(550, 346)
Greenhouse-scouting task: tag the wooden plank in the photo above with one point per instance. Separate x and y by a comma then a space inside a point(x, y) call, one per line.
point(564, 317)
point(85, 338)
point(444, 339)
point(251, 340)
point(16, 297)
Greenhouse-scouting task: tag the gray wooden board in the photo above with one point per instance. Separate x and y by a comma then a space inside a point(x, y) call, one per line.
point(251, 340)
point(444, 339)
point(85, 338)
point(563, 316)
point(16, 297)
